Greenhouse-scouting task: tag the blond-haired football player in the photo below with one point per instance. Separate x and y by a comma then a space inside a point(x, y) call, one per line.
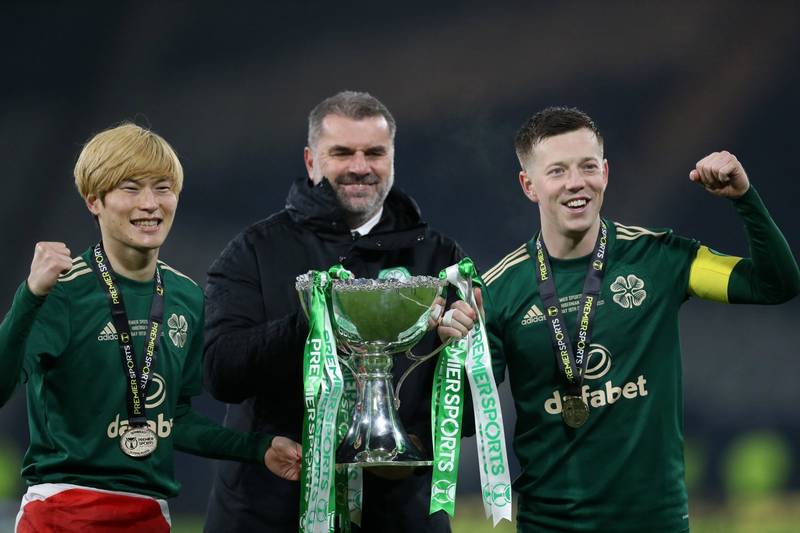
point(109, 344)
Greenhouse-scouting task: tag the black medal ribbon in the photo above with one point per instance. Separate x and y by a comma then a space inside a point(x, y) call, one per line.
point(572, 358)
point(137, 378)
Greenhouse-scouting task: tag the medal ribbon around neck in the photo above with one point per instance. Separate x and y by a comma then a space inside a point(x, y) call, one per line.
point(571, 359)
point(137, 378)
point(470, 356)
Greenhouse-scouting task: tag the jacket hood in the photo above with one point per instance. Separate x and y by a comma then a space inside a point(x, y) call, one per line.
point(317, 206)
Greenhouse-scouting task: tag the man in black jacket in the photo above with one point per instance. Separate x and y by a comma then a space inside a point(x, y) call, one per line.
point(346, 212)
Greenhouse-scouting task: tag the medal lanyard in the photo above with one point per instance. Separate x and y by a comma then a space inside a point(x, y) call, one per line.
point(571, 360)
point(137, 378)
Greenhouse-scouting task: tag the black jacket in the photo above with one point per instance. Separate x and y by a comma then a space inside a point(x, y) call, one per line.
point(256, 330)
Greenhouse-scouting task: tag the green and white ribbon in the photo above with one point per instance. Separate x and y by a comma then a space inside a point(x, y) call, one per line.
point(349, 478)
point(323, 385)
point(446, 415)
point(473, 353)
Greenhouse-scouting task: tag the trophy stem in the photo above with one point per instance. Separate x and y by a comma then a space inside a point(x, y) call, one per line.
point(376, 437)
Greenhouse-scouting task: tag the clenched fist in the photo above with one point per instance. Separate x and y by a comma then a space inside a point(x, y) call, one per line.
point(721, 174)
point(283, 458)
point(50, 259)
point(461, 317)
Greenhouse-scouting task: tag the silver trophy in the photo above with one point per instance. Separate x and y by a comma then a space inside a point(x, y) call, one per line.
point(373, 321)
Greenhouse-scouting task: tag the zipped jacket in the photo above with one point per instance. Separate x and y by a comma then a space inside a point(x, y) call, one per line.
point(256, 329)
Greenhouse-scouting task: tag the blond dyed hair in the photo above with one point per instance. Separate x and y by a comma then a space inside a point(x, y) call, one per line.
point(125, 152)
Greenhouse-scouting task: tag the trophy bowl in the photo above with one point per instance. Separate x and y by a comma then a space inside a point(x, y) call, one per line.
point(373, 320)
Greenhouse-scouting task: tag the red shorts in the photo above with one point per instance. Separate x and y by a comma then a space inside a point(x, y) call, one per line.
point(52, 507)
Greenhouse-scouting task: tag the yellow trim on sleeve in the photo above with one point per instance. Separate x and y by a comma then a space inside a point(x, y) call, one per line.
point(710, 273)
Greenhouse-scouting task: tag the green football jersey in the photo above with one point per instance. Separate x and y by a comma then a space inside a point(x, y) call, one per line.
point(623, 470)
point(76, 386)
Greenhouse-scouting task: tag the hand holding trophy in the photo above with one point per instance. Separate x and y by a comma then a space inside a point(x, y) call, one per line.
point(362, 324)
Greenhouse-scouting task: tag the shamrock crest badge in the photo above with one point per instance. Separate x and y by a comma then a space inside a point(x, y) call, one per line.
point(177, 329)
point(628, 291)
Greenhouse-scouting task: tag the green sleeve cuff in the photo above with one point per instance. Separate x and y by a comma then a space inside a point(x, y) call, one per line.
point(198, 435)
point(25, 298)
point(751, 198)
point(263, 442)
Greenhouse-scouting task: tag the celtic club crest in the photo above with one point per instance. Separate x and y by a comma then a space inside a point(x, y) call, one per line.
point(177, 329)
point(628, 291)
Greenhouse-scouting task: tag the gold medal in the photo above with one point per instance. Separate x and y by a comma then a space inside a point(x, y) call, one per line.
point(138, 442)
point(574, 411)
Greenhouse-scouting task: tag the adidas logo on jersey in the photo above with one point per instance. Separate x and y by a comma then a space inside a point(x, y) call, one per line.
point(533, 315)
point(109, 333)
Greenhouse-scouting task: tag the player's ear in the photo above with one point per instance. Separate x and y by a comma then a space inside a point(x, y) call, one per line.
point(93, 203)
point(308, 159)
point(528, 189)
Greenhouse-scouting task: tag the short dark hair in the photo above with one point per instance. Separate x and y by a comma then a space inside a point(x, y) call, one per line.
point(350, 104)
point(548, 123)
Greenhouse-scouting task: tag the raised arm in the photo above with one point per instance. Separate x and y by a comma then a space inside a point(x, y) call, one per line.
point(770, 275)
point(49, 260)
point(14, 332)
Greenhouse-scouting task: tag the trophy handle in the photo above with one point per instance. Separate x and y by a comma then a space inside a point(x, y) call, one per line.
point(418, 360)
point(470, 299)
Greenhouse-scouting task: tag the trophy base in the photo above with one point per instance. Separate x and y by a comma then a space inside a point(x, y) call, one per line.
point(351, 453)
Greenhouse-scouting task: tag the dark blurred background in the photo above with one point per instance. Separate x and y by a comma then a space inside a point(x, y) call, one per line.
point(230, 85)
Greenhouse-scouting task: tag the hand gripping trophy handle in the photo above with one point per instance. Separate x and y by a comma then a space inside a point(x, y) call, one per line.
point(418, 360)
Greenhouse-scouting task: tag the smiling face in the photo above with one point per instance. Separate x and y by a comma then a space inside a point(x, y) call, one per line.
point(567, 176)
point(136, 215)
point(357, 158)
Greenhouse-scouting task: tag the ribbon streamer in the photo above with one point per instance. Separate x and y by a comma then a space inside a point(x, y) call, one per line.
point(329, 398)
point(323, 385)
point(489, 429)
